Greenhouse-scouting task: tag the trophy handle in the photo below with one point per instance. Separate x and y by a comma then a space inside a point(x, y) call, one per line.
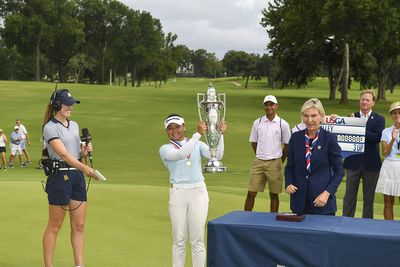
point(222, 99)
point(200, 100)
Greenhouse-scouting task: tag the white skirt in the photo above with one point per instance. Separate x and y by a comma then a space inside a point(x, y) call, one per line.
point(389, 178)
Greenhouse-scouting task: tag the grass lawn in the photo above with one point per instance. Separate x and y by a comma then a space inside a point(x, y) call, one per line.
point(128, 223)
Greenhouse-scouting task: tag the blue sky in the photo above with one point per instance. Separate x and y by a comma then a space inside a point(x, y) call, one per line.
point(215, 25)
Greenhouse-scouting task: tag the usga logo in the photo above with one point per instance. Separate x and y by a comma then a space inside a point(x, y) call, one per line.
point(337, 120)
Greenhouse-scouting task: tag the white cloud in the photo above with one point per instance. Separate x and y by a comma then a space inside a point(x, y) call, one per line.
point(215, 25)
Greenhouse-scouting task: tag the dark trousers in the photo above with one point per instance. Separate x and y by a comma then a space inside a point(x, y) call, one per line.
point(353, 177)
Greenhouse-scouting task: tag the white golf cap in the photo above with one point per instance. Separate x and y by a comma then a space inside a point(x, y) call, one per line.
point(393, 106)
point(270, 98)
point(174, 119)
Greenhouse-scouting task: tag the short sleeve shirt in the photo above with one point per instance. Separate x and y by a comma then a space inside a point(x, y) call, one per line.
point(23, 131)
point(387, 136)
point(14, 136)
point(269, 136)
point(69, 136)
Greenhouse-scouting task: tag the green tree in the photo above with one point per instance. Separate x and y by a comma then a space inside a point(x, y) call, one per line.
point(181, 54)
point(102, 23)
point(26, 27)
point(213, 67)
point(235, 62)
point(199, 58)
point(65, 36)
point(381, 37)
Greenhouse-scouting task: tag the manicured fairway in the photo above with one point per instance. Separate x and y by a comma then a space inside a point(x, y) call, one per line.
point(128, 223)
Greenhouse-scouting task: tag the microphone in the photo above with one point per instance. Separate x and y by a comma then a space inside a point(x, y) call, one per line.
point(87, 138)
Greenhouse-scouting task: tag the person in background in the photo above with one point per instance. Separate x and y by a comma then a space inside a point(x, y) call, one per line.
point(364, 166)
point(25, 140)
point(15, 147)
point(188, 196)
point(269, 138)
point(389, 176)
point(314, 165)
point(3, 142)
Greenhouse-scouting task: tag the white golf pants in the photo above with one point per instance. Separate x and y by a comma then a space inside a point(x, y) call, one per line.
point(188, 210)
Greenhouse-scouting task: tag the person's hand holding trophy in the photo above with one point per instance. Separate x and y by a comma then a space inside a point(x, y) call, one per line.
point(212, 116)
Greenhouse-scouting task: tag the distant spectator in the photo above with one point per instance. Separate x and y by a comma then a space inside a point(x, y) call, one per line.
point(25, 140)
point(15, 147)
point(3, 141)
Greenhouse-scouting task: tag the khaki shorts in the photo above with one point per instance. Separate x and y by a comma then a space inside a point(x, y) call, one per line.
point(263, 171)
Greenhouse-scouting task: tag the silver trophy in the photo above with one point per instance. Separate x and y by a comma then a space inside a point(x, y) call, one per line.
point(212, 110)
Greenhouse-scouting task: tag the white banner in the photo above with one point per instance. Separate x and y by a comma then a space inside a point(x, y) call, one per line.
point(350, 133)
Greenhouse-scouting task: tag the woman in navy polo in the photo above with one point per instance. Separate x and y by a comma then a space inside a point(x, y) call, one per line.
point(65, 186)
point(314, 165)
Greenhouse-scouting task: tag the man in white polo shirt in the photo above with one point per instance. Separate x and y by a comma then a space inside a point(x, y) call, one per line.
point(269, 138)
point(25, 140)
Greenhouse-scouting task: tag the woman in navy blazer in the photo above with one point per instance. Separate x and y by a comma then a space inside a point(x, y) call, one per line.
point(314, 165)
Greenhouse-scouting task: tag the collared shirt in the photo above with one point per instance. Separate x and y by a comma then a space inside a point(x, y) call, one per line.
point(366, 116)
point(269, 136)
point(387, 136)
point(68, 135)
point(23, 131)
point(14, 136)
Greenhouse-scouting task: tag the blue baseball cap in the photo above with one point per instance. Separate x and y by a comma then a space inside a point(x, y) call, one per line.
point(66, 98)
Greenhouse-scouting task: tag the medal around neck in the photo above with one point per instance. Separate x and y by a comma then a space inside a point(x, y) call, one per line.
point(211, 109)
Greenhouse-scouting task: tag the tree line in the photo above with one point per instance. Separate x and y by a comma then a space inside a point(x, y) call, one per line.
point(99, 41)
point(342, 39)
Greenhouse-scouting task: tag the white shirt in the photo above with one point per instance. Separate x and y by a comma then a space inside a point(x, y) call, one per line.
point(269, 137)
point(387, 137)
point(23, 131)
point(299, 127)
point(366, 116)
point(2, 141)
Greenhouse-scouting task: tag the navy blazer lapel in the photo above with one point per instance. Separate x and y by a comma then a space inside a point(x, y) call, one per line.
point(317, 146)
point(372, 116)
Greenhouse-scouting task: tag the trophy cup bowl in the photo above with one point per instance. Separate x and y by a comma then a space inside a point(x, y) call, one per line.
point(212, 110)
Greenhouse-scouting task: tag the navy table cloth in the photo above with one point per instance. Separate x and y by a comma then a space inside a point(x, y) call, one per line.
point(252, 239)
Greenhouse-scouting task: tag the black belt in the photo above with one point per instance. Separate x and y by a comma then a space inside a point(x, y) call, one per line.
point(63, 164)
point(267, 159)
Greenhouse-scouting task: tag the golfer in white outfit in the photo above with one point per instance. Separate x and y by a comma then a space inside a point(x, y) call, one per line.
point(188, 196)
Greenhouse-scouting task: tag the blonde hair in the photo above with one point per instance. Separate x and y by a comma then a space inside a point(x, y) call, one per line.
point(369, 91)
point(313, 103)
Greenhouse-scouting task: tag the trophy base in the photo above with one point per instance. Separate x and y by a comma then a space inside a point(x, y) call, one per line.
point(213, 166)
